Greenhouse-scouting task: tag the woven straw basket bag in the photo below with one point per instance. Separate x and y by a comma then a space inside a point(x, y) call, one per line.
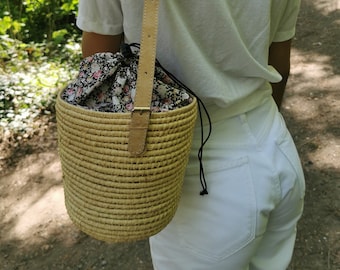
point(123, 172)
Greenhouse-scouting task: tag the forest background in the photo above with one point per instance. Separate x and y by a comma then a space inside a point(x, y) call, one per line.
point(39, 53)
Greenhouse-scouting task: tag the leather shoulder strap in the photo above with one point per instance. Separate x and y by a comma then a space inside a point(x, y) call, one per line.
point(140, 117)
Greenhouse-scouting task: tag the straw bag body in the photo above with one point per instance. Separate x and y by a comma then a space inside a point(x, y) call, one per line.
point(123, 172)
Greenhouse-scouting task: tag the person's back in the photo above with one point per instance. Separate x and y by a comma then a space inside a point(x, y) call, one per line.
point(227, 41)
point(231, 53)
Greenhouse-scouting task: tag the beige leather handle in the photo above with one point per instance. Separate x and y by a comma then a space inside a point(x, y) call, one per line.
point(140, 117)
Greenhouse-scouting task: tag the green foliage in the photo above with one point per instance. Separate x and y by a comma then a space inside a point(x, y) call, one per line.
point(59, 36)
point(7, 24)
point(30, 77)
point(39, 54)
point(38, 20)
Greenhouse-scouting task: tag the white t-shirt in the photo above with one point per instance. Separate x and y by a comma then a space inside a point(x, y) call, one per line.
point(218, 48)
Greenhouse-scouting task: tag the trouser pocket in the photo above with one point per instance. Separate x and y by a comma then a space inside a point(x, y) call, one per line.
point(220, 224)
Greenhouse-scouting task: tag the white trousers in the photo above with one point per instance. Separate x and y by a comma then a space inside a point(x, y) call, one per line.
point(256, 190)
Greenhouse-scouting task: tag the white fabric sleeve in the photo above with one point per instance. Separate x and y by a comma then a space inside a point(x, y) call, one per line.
point(100, 16)
point(287, 25)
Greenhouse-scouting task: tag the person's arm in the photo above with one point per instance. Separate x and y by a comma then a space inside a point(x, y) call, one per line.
point(94, 43)
point(279, 58)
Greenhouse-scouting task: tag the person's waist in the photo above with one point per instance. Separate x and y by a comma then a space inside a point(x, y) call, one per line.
point(241, 106)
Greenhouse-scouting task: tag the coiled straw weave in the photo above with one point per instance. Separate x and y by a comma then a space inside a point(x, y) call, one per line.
point(109, 194)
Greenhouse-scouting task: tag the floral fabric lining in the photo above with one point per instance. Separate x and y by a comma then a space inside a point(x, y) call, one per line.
point(107, 82)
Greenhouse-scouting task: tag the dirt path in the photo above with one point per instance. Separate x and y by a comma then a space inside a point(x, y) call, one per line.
point(36, 232)
point(312, 108)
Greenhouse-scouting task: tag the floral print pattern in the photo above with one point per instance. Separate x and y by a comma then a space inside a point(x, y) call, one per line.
point(107, 82)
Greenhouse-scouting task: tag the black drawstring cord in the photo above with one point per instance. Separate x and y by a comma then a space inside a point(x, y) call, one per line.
point(203, 140)
point(126, 51)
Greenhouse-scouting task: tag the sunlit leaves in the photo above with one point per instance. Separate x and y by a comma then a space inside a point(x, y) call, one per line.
point(29, 81)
